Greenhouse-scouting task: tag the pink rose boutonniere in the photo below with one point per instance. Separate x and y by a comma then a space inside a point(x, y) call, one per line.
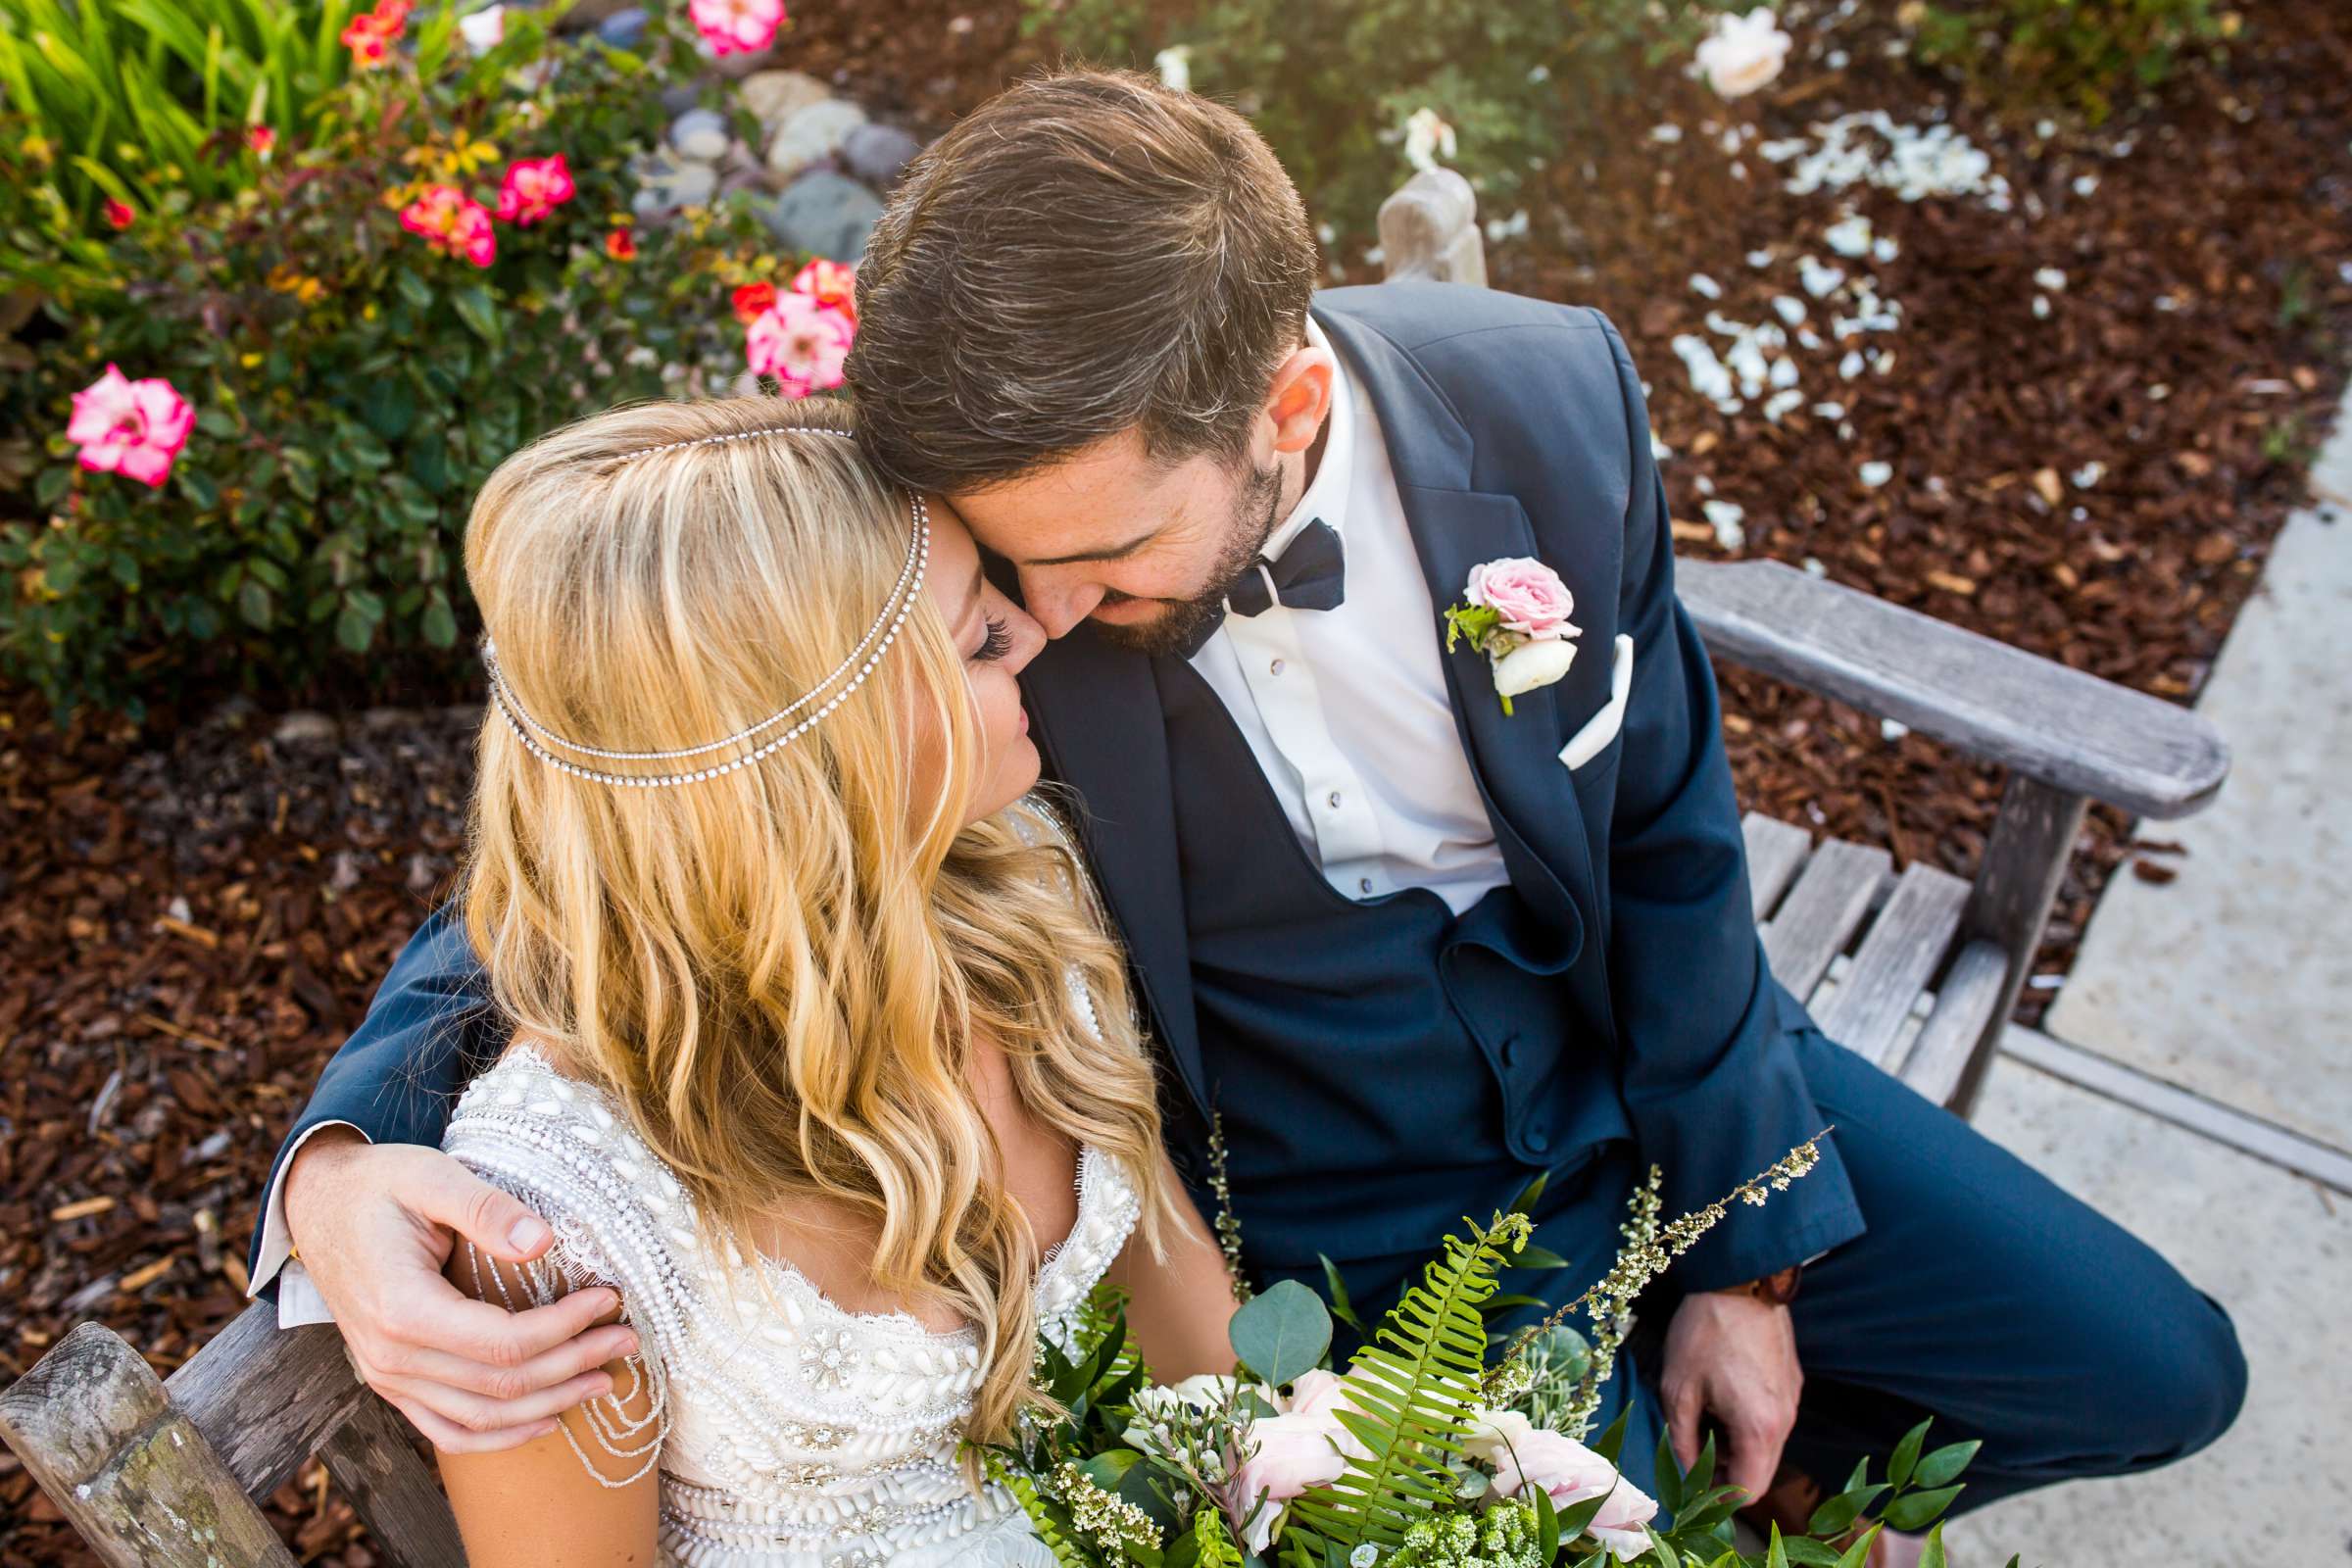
point(1516, 613)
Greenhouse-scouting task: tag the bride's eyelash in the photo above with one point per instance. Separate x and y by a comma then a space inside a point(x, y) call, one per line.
point(996, 644)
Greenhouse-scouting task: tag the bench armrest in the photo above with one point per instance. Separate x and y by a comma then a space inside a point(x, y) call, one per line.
point(2073, 732)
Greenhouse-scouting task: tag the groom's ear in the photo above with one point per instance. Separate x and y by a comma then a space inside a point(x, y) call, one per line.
point(1300, 400)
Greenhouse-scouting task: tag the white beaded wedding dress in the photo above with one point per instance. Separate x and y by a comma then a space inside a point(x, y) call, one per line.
point(788, 1432)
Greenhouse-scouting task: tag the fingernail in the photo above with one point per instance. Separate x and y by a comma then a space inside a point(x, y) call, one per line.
point(528, 1233)
point(546, 1428)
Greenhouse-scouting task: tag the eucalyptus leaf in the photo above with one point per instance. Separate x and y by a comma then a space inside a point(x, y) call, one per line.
point(1281, 1332)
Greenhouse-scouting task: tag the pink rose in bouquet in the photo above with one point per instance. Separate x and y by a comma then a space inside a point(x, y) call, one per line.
point(1522, 1452)
point(134, 428)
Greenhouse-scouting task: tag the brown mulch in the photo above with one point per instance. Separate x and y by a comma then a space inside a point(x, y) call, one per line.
point(190, 922)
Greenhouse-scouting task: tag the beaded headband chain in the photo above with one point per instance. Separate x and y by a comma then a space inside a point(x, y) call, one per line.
point(814, 705)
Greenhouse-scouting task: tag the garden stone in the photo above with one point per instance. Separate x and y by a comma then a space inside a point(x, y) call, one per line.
point(677, 99)
point(876, 153)
point(825, 214)
point(623, 29)
point(813, 132)
point(775, 96)
point(701, 134)
point(304, 727)
point(665, 183)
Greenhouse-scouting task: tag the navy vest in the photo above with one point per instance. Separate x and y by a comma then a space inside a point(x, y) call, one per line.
point(1383, 1067)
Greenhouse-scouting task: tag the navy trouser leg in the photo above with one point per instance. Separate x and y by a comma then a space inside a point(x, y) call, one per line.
point(1984, 1296)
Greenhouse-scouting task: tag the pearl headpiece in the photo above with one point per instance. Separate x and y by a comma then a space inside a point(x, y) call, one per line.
point(811, 706)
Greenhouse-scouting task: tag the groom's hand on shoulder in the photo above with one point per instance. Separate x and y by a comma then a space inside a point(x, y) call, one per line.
point(375, 1226)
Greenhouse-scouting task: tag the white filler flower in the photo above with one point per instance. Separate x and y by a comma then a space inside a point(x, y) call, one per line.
point(1175, 67)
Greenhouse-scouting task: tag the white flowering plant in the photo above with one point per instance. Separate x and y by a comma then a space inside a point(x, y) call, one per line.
point(1443, 1445)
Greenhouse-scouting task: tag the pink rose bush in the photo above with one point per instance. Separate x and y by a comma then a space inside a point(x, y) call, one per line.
point(802, 342)
point(134, 428)
point(1516, 611)
point(454, 223)
point(737, 26)
point(1523, 1454)
point(534, 188)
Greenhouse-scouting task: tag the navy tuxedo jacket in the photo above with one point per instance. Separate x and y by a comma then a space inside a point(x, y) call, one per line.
point(1515, 427)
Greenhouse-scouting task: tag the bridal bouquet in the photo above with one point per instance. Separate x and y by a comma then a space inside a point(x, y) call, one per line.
point(1439, 1445)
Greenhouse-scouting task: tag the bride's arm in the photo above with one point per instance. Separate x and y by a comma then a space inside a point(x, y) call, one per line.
point(1179, 1304)
point(565, 1500)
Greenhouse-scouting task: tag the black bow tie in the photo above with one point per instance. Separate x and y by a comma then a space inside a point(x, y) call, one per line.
point(1311, 575)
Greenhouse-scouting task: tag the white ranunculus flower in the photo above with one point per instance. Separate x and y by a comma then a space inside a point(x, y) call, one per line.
point(1532, 665)
point(1427, 139)
point(1744, 53)
point(484, 29)
point(1175, 67)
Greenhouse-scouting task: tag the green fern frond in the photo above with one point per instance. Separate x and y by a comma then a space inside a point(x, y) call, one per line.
point(1046, 1517)
point(1414, 1387)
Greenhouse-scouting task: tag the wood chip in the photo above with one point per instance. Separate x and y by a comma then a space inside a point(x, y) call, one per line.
point(140, 1279)
point(81, 1208)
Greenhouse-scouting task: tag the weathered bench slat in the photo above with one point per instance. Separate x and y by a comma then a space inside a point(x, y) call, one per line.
point(92, 1424)
point(1822, 912)
point(266, 1397)
point(1776, 852)
point(374, 1459)
point(1897, 958)
point(2070, 730)
point(1973, 993)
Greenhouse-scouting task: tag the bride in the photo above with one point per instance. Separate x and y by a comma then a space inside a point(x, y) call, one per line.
point(822, 1057)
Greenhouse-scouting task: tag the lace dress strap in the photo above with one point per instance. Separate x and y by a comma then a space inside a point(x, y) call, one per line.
point(617, 1214)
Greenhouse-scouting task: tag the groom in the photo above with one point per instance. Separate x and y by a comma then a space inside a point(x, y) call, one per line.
point(1414, 950)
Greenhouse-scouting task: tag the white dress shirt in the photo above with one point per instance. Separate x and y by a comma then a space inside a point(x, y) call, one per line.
point(1347, 709)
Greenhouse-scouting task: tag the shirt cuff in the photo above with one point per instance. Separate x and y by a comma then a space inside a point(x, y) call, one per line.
point(298, 1299)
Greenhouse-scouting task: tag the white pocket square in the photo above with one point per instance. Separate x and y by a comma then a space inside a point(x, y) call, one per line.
point(1593, 739)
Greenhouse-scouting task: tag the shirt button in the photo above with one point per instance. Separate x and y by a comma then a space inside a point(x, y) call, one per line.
point(1334, 799)
point(1364, 884)
point(1275, 668)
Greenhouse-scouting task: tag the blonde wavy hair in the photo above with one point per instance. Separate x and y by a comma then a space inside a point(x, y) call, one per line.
point(779, 972)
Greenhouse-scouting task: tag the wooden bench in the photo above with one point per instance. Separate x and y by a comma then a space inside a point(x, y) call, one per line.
point(166, 1472)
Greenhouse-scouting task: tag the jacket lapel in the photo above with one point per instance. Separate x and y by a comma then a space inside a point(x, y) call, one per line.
point(1454, 527)
point(1095, 709)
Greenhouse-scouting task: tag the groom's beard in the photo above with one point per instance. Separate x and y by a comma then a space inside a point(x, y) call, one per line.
point(1256, 511)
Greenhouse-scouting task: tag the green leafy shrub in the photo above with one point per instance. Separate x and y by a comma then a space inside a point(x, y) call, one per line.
point(2088, 55)
point(352, 383)
point(138, 96)
point(1332, 82)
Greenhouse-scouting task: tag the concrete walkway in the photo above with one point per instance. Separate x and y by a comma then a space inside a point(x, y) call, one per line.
point(2196, 1084)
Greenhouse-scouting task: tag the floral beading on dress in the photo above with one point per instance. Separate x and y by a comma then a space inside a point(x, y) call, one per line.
point(790, 1432)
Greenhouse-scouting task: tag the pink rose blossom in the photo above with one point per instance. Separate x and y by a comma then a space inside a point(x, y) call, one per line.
point(737, 26)
point(801, 343)
point(1527, 594)
point(535, 187)
point(1303, 1447)
point(134, 428)
point(1522, 1452)
point(453, 222)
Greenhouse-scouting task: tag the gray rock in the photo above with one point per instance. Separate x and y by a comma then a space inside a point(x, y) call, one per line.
point(623, 29)
point(876, 153)
point(825, 214)
point(813, 132)
point(679, 97)
point(701, 134)
point(774, 96)
point(665, 183)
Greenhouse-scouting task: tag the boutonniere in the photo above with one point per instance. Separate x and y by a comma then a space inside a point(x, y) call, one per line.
point(1517, 615)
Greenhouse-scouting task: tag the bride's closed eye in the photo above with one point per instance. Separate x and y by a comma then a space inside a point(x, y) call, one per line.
point(996, 644)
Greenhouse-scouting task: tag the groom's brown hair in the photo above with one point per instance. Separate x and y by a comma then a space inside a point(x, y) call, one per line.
point(1085, 254)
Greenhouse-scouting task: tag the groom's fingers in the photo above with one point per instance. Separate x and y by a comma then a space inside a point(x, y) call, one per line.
point(448, 1195)
point(1686, 1402)
point(574, 1358)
